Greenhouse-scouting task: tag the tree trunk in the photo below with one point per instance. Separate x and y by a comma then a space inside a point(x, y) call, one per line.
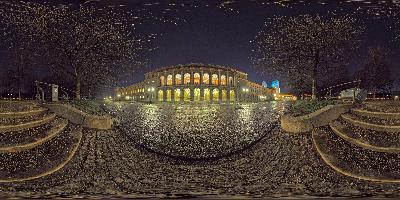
point(314, 89)
point(78, 88)
point(314, 76)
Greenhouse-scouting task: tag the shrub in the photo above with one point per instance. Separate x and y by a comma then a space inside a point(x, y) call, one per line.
point(303, 107)
point(89, 106)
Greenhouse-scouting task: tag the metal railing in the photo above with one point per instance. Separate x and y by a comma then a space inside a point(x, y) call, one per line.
point(341, 86)
point(40, 91)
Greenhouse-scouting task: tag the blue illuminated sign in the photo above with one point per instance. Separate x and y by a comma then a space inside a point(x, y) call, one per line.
point(275, 84)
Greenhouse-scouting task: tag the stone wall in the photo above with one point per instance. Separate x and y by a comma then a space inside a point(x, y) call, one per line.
point(319, 118)
point(78, 117)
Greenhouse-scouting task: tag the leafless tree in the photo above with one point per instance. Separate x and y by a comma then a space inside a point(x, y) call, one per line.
point(301, 47)
point(90, 45)
point(375, 73)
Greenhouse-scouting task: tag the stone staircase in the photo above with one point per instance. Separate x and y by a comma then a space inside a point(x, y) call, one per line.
point(34, 142)
point(363, 144)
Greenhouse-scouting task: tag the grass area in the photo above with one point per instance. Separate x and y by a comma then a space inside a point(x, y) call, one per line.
point(303, 107)
point(89, 106)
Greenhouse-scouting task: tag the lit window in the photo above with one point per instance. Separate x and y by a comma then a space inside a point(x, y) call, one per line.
point(186, 94)
point(186, 78)
point(232, 95)
point(223, 80)
point(178, 79)
point(160, 95)
point(214, 79)
point(177, 94)
point(162, 80)
point(223, 96)
point(206, 78)
point(215, 94)
point(196, 78)
point(169, 80)
point(206, 93)
point(197, 94)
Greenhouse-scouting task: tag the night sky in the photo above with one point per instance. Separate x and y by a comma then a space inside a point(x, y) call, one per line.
point(218, 32)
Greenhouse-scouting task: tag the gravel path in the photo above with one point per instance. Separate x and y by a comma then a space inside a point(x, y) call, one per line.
point(279, 165)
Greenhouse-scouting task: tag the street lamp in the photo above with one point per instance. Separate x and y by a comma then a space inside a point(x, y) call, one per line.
point(245, 90)
point(151, 90)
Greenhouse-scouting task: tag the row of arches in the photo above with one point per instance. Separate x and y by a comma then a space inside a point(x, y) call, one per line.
point(205, 95)
point(222, 80)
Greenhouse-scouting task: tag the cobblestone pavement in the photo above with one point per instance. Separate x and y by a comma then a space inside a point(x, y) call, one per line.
point(109, 163)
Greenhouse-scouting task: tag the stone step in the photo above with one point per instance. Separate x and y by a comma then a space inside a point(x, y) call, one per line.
point(17, 106)
point(42, 160)
point(377, 141)
point(27, 139)
point(375, 114)
point(383, 106)
point(26, 123)
point(372, 123)
point(21, 114)
point(354, 161)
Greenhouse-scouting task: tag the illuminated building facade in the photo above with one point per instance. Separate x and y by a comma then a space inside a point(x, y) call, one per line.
point(195, 83)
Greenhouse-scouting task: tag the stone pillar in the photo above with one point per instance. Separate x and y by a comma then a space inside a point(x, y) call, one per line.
point(219, 95)
point(227, 78)
point(191, 94)
point(191, 77)
point(182, 94)
point(182, 77)
point(219, 77)
point(173, 77)
point(173, 95)
point(165, 78)
point(201, 76)
point(228, 95)
point(202, 93)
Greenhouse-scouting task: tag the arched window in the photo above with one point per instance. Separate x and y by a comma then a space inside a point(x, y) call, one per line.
point(177, 95)
point(162, 80)
point(196, 79)
point(186, 95)
point(230, 80)
point(223, 95)
point(214, 79)
point(206, 79)
point(215, 94)
point(178, 79)
point(223, 80)
point(168, 95)
point(196, 94)
point(160, 95)
point(206, 93)
point(232, 95)
point(169, 80)
point(186, 78)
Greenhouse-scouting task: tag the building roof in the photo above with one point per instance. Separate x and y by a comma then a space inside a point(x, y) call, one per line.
point(197, 65)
